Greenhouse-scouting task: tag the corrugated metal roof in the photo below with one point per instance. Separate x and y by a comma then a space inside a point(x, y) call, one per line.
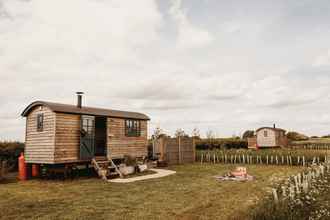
point(65, 108)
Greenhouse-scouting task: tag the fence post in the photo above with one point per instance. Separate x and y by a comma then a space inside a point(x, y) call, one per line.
point(303, 160)
point(179, 145)
point(291, 188)
point(275, 195)
point(283, 191)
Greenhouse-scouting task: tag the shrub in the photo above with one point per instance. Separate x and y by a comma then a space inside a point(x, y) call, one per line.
point(220, 143)
point(10, 151)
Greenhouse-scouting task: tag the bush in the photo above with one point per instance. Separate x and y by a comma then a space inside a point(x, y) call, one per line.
point(10, 151)
point(295, 136)
point(220, 143)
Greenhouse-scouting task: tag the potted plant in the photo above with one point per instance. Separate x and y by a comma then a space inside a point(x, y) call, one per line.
point(128, 167)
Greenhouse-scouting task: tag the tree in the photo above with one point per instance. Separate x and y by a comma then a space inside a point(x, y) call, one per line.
point(295, 136)
point(196, 133)
point(157, 132)
point(248, 134)
point(179, 133)
point(210, 134)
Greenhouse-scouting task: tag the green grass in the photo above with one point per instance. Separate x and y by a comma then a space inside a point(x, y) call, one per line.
point(192, 193)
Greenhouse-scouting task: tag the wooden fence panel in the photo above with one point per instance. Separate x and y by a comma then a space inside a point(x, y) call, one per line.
point(176, 150)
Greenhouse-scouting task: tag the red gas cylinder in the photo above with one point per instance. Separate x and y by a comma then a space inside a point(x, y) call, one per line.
point(35, 170)
point(22, 175)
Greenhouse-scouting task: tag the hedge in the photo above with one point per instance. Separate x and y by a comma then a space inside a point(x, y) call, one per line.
point(221, 143)
point(10, 152)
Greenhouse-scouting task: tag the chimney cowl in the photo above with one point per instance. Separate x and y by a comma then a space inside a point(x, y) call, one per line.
point(79, 99)
point(274, 125)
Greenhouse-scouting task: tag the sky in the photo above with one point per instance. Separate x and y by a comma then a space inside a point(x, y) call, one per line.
point(214, 65)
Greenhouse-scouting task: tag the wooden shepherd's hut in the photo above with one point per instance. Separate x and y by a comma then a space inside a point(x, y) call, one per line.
point(60, 133)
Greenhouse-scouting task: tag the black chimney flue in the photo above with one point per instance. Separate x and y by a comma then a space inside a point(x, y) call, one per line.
point(79, 99)
point(274, 125)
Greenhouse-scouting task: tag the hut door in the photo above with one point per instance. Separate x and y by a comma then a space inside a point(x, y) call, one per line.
point(87, 134)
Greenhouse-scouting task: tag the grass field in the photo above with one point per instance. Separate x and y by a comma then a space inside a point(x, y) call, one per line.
point(192, 193)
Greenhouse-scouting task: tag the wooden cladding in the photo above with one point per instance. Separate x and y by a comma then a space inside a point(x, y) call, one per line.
point(39, 143)
point(119, 144)
point(54, 137)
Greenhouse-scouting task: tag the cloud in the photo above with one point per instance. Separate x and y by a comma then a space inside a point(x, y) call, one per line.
point(184, 63)
point(189, 35)
point(322, 60)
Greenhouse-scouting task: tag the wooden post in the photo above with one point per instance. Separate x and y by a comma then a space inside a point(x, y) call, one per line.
point(275, 195)
point(194, 147)
point(283, 191)
point(267, 159)
point(303, 160)
point(291, 188)
point(202, 158)
point(297, 184)
point(179, 137)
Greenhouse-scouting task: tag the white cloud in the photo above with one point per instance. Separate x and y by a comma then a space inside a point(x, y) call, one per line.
point(323, 60)
point(185, 63)
point(189, 35)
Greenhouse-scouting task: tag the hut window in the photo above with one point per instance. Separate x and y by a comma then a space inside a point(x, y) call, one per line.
point(266, 133)
point(40, 122)
point(132, 128)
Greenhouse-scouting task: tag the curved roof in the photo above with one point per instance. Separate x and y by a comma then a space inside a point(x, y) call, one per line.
point(64, 108)
point(275, 129)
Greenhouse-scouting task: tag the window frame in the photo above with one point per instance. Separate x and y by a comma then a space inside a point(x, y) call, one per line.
point(40, 122)
point(132, 128)
point(265, 133)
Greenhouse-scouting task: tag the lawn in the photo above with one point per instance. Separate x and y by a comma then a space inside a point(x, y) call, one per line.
point(192, 193)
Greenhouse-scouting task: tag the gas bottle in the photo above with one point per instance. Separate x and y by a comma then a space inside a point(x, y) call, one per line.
point(22, 175)
point(35, 170)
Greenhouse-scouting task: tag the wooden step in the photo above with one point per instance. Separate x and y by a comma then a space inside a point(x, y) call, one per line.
point(105, 168)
